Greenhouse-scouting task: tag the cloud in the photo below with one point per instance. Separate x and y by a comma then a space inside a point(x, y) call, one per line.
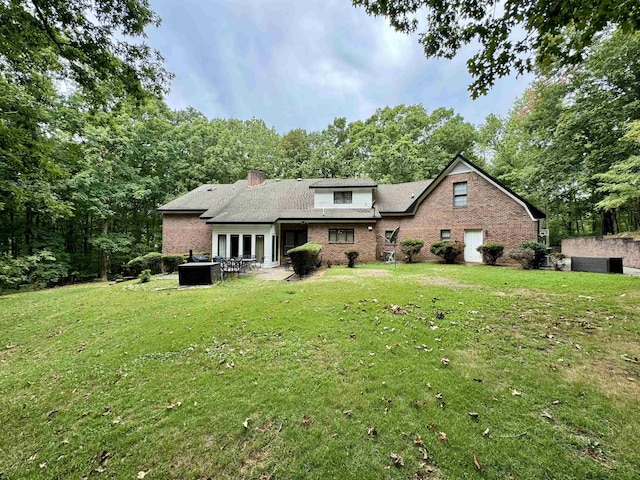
point(301, 64)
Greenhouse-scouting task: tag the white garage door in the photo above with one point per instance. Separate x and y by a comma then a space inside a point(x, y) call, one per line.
point(472, 240)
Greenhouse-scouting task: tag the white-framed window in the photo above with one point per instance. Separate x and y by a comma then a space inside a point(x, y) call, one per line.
point(341, 235)
point(460, 194)
point(445, 234)
point(342, 198)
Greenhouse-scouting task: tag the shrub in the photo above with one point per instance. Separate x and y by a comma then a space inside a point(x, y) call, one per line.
point(491, 252)
point(411, 247)
point(447, 250)
point(540, 251)
point(557, 260)
point(145, 276)
point(524, 256)
point(40, 270)
point(170, 262)
point(305, 257)
point(352, 256)
point(151, 261)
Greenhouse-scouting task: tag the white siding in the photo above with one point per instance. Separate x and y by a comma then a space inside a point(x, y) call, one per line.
point(245, 229)
point(362, 198)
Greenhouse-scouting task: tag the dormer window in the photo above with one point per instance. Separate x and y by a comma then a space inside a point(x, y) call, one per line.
point(342, 198)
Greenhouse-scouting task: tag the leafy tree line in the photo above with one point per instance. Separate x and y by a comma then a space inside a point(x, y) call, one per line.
point(570, 144)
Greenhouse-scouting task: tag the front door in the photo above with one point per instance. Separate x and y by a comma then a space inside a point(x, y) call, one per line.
point(472, 240)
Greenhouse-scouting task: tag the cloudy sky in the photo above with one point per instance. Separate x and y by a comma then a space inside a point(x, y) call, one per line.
point(300, 64)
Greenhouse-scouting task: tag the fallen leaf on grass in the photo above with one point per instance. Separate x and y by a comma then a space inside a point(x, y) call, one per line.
point(245, 424)
point(473, 415)
point(443, 436)
point(424, 453)
point(372, 431)
point(347, 413)
point(445, 361)
point(477, 463)
point(418, 441)
point(516, 393)
point(142, 474)
point(398, 461)
point(486, 432)
point(547, 415)
point(555, 402)
point(306, 420)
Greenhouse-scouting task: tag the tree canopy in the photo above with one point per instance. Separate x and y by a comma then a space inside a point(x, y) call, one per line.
point(513, 36)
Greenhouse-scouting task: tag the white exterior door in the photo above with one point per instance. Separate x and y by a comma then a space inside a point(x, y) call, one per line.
point(472, 240)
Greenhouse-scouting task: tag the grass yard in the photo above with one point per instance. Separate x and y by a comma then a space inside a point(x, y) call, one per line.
point(429, 371)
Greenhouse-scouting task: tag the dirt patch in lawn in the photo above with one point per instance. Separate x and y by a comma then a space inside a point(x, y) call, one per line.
point(617, 374)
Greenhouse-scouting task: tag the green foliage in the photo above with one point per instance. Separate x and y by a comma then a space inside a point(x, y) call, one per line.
point(554, 32)
point(352, 256)
point(411, 247)
point(406, 143)
point(36, 271)
point(305, 257)
point(447, 250)
point(170, 262)
point(540, 252)
point(491, 252)
point(145, 276)
point(524, 256)
point(152, 261)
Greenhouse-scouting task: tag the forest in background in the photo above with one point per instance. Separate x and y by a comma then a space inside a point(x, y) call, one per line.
point(87, 155)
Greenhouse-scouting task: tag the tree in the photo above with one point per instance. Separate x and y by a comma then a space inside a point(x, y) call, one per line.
point(94, 45)
point(621, 183)
point(566, 131)
point(509, 33)
point(406, 143)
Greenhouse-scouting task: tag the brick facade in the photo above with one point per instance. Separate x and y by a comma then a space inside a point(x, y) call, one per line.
point(364, 241)
point(626, 248)
point(184, 232)
point(501, 218)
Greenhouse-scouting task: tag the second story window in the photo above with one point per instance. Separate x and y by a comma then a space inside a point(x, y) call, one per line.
point(342, 198)
point(460, 194)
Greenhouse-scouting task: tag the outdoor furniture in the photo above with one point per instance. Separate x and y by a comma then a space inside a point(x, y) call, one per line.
point(596, 264)
point(199, 273)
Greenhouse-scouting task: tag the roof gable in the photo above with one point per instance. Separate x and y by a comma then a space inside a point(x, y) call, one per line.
point(460, 164)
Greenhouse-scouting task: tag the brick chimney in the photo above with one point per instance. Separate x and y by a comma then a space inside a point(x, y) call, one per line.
point(255, 178)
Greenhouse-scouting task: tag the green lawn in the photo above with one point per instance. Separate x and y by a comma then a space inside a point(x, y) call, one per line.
point(326, 378)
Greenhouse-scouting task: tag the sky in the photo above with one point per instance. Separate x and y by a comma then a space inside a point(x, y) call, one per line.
point(302, 63)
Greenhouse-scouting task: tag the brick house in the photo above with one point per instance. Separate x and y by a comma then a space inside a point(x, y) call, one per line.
point(265, 218)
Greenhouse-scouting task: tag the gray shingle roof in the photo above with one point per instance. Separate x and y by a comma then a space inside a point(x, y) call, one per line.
point(199, 199)
point(399, 197)
point(344, 183)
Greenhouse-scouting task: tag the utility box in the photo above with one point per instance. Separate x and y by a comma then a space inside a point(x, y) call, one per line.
point(199, 273)
point(596, 264)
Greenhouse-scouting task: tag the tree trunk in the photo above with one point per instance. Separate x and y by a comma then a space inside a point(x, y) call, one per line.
point(608, 226)
point(103, 253)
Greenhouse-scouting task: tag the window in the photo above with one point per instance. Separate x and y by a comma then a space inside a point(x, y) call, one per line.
point(460, 194)
point(341, 235)
point(222, 245)
point(445, 234)
point(342, 198)
point(246, 245)
point(387, 236)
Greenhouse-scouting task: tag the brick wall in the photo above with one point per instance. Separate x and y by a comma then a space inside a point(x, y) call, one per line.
point(184, 232)
point(364, 241)
point(627, 248)
point(500, 217)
